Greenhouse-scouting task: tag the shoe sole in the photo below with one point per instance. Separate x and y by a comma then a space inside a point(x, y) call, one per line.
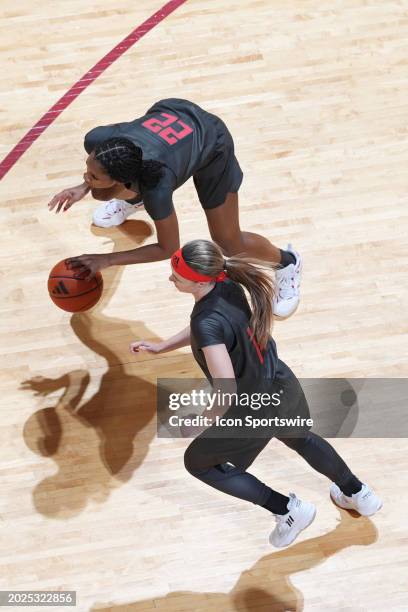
point(374, 512)
point(283, 318)
point(137, 208)
point(117, 224)
point(133, 212)
point(352, 509)
point(310, 521)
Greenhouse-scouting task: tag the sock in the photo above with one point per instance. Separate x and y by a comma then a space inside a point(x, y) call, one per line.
point(287, 258)
point(276, 503)
point(351, 486)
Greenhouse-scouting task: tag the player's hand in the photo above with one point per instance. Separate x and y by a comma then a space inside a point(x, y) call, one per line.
point(145, 346)
point(66, 198)
point(86, 266)
point(40, 385)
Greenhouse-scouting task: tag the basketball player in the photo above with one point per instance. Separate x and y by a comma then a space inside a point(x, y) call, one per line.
point(141, 162)
point(230, 341)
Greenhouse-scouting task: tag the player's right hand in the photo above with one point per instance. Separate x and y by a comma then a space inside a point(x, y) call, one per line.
point(66, 198)
point(145, 346)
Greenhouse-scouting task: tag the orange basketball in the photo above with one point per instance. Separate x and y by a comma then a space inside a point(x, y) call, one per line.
point(73, 294)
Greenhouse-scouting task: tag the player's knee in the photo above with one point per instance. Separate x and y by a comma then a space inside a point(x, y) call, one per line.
point(229, 245)
point(229, 250)
point(192, 461)
point(189, 462)
point(296, 444)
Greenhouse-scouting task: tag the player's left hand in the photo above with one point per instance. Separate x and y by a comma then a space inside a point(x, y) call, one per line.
point(86, 266)
point(41, 385)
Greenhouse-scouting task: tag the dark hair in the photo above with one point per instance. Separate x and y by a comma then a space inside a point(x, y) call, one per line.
point(207, 258)
point(123, 161)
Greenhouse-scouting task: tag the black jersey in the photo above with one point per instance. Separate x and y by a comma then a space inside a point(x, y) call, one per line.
point(223, 317)
point(175, 132)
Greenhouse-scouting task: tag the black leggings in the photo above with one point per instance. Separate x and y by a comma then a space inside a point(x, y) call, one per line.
point(236, 481)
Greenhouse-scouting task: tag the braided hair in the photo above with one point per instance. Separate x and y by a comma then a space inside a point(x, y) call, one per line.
point(123, 161)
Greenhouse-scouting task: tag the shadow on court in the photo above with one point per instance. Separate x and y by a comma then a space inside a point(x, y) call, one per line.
point(266, 586)
point(97, 442)
point(99, 437)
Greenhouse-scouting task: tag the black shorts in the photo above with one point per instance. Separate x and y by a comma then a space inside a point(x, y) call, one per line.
point(222, 175)
point(215, 445)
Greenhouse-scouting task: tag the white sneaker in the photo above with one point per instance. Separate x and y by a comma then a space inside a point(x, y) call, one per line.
point(300, 515)
point(114, 212)
point(288, 280)
point(366, 502)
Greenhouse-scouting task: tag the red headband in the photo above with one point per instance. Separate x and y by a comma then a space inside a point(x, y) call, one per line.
point(182, 268)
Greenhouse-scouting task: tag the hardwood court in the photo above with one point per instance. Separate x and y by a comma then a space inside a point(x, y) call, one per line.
point(315, 97)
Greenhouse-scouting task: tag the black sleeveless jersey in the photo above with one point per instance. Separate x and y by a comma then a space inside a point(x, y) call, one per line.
point(223, 317)
point(175, 132)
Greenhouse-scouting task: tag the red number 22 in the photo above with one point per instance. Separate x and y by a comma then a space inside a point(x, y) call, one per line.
point(169, 134)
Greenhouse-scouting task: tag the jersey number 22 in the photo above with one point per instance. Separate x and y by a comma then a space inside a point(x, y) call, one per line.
point(162, 128)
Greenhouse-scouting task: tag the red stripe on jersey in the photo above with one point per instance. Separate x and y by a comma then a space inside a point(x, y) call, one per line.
point(256, 345)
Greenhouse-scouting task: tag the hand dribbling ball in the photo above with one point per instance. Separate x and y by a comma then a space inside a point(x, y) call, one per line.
point(73, 294)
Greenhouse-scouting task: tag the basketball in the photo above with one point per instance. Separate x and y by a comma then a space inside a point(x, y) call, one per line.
point(73, 294)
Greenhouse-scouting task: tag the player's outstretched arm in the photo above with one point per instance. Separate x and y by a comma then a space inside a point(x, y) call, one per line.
point(67, 197)
point(177, 341)
point(168, 241)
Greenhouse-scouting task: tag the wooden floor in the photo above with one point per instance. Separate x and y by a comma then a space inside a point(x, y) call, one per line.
point(315, 95)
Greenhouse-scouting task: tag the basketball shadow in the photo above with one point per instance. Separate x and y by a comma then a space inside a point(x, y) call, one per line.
point(266, 585)
point(98, 442)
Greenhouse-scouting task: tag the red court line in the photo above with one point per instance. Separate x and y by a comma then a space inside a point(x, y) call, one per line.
point(84, 82)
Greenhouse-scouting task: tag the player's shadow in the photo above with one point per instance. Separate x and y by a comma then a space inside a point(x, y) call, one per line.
point(334, 405)
point(266, 585)
point(98, 436)
point(96, 441)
